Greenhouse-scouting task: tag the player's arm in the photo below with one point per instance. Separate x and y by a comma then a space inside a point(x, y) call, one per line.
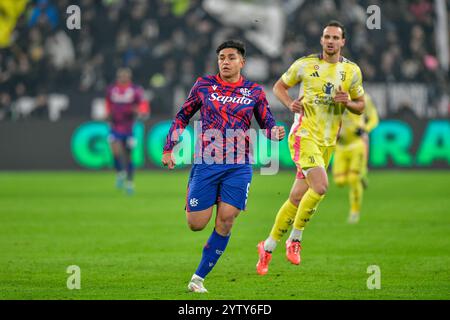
point(354, 99)
point(281, 91)
point(292, 77)
point(265, 119)
point(143, 110)
point(141, 107)
point(353, 105)
point(188, 109)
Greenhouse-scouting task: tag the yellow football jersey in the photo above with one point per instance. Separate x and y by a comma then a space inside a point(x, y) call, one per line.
point(351, 122)
point(319, 82)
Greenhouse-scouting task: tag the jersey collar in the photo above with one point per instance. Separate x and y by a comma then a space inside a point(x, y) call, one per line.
point(320, 56)
point(123, 85)
point(224, 83)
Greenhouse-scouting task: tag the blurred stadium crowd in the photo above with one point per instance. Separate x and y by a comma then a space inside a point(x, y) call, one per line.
point(168, 44)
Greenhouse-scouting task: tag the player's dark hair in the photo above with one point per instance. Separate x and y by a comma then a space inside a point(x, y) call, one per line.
point(335, 23)
point(236, 44)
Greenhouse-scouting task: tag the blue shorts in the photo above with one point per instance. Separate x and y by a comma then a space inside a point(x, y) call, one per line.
point(126, 139)
point(211, 183)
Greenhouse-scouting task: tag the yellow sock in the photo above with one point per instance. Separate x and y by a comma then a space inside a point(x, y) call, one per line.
point(285, 218)
point(308, 205)
point(356, 192)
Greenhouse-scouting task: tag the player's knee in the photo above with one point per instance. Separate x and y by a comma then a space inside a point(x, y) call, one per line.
point(223, 226)
point(195, 226)
point(321, 188)
point(295, 198)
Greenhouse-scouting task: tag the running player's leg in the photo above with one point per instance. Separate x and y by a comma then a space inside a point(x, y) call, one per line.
point(286, 214)
point(234, 188)
point(117, 151)
point(201, 196)
point(365, 169)
point(340, 167)
point(317, 180)
point(313, 164)
point(356, 170)
point(128, 148)
point(198, 220)
point(315, 160)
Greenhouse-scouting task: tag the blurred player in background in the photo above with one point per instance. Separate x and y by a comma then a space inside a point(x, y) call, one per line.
point(350, 159)
point(331, 84)
point(124, 104)
point(227, 101)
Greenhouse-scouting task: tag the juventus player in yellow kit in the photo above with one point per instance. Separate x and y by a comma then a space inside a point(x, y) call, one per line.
point(330, 84)
point(350, 159)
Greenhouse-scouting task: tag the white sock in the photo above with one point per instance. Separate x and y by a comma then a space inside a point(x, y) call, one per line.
point(196, 278)
point(270, 244)
point(296, 235)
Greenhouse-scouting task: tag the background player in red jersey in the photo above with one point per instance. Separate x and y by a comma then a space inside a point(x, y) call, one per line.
point(124, 104)
point(227, 101)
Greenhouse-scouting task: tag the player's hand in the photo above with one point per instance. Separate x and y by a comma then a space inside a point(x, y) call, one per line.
point(277, 133)
point(297, 105)
point(168, 161)
point(341, 97)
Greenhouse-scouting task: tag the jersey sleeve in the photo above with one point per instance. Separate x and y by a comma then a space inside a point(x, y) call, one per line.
point(108, 104)
point(188, 109)
point(371, 114)
point(138, 95)
point(263, 115)
point(356, 88)
point(294, 74)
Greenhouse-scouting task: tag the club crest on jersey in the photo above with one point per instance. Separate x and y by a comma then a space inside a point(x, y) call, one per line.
point(343, 73)
point(245, 92)
point(328, 88)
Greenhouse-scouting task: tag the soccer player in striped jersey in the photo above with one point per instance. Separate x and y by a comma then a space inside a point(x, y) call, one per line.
point(350, 159)
point(123, 102)
point(330, 84)
point(227, 102)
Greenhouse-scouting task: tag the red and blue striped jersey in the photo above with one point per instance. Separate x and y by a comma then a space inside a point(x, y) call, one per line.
point(122, 103)
point(224, 108)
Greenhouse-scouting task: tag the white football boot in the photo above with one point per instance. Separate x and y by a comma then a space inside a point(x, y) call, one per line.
point(196, 284)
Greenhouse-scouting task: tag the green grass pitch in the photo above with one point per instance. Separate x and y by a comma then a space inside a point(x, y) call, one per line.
point(140, 247)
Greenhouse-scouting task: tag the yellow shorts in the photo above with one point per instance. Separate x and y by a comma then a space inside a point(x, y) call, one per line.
point(350, 158)
point(307, 154)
